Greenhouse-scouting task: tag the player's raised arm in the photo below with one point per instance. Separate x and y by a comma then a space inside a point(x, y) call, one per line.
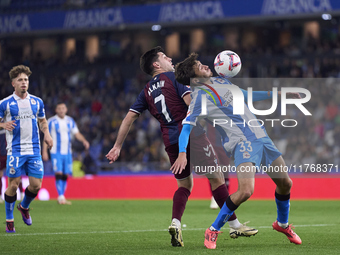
point(124, 129)
point(183, 140)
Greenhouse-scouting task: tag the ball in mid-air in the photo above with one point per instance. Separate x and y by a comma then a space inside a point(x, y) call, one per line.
point(227, 64)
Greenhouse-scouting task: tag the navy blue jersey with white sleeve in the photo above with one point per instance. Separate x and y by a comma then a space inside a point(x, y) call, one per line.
point(163, 97)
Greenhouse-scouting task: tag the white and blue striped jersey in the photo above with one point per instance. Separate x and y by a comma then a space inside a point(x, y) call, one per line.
point(62, 131)
point(219, 112)
point(24, 139)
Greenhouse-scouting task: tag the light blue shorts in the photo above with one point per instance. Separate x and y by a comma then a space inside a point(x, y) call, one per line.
point(260, 152)
point(31, 165)
point(62, 163)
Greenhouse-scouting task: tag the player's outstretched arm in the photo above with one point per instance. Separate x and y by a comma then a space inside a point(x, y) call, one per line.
point(263, 95)
point(10, 125)
point(44, 128)
point(183, 140)
point(82, 139)
point(291, 94)
point(122, 133)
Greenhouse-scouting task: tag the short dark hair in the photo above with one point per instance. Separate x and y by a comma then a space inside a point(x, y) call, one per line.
point(185, 70)
point(148, 58)
point(16, 70)
point(58, 103)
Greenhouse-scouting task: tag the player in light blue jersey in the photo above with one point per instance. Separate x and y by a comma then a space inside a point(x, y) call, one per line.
point(243, 138)
point(21, 113)
point(62, 128)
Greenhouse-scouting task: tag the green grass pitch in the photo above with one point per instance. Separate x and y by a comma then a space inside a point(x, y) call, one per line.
point(140, 227)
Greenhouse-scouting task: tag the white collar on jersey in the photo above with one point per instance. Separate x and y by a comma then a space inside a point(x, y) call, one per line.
point(19, 98)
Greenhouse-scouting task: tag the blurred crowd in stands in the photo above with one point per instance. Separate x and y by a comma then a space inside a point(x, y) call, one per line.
point(99, 94)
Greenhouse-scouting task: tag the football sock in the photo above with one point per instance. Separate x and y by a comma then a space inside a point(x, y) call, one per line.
point(212, 228)
point(220, 195)
point(226, 211)
point(177, 222)
point(179, 202)
point(282, 205)
point(59, 184)
point(282, 225)
point(28, 198)
point(9, 204)
point(234, 223)
point(64, 182)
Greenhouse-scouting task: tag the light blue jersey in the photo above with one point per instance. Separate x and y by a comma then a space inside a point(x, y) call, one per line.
point(62, 131)
point(24, 139)
point(219, 112)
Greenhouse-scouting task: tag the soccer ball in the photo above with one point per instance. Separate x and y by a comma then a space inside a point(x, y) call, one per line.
point(227, 64)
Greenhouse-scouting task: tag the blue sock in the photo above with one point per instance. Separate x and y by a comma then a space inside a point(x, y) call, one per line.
point(64, 185)
point(9, 205)
point(282, 205)
point(28, 198)
point(60, 187)
point(225, 213)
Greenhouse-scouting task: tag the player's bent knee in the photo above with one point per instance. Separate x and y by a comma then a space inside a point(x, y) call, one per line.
point(35, 188)
point(246, 194)
point(13, 187)
point(286, 185)
point(186, 183)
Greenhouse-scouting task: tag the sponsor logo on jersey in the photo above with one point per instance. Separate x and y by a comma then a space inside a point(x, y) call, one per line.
point(13, 103)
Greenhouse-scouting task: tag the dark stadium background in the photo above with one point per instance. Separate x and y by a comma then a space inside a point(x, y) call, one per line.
point(86, 54)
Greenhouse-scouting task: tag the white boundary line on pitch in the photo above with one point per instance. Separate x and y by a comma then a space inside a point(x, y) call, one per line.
point(139, 231)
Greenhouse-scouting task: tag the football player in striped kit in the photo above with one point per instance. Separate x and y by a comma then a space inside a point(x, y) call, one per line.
point(21, 113)
point(62, 127)
point(249, 145)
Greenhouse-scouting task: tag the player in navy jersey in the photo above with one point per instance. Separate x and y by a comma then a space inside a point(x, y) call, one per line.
point(250, 146)
point(167, 101)
point(21, 112)
point(62, 128)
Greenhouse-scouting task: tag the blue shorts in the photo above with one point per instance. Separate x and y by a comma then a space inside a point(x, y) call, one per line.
point(62, 163)
point(30, 164)
point(260, 152)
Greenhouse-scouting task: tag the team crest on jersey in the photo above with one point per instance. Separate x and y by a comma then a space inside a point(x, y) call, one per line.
point(33, 101)
point(12, 170)
point(246, 154)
